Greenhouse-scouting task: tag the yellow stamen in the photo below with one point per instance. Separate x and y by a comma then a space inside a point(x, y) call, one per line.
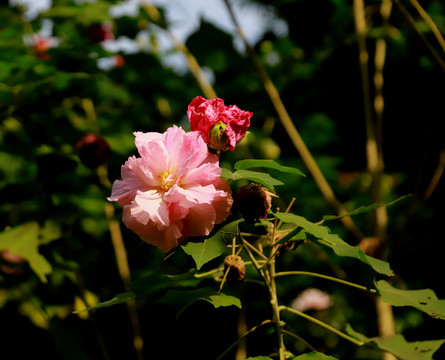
point(166, 185)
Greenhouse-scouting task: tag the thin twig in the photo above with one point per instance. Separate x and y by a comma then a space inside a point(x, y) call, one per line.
point(436, 176)
point(193, 64)
point(344, 282)
point(289, 333)
point(420, 34)
point(374, 151)
point(324, 325)
point(265, 322)
point(432, 25)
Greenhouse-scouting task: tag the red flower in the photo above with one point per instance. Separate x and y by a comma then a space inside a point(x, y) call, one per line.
point(221, 127)
point(41, 46)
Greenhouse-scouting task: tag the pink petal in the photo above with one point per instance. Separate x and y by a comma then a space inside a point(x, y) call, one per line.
point(142, 139)
point(200, 220)
point(191, 196)
point(165, 239)
point(222, 202)
point(153, 204)
point(203, 175)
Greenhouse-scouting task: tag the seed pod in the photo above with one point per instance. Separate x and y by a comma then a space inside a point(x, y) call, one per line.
point(237, 270)
point(253, 201)
point(93, 150)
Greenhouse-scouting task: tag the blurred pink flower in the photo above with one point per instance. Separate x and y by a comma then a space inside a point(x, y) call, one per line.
point(221, 127)
point(312, 299)
point(173, 190)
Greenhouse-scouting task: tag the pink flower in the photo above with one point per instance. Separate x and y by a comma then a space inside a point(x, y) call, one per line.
point(173, 190)
point(221, 127)
point(312, 299)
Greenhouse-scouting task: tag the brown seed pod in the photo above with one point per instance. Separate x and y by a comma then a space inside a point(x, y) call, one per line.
point(253, 201)
point(236, 266)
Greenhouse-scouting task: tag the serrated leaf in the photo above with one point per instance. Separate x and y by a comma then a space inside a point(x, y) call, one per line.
point(23, 240)
point(211, 248)
point(314, 356)
point(363, 209)
point(424, 300)
point(398, 346)
point(265, 163)
point(118, 299)
point(324, 238)
point(181, 300)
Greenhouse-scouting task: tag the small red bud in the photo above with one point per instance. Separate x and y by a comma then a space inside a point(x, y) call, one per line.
point(93, 150)
point(253, 201)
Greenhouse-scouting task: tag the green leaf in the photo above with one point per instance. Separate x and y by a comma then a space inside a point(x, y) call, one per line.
point(151, 285)
point(325, 239)
point(398, 346)
point(118, 299)
point(211, 248)
point(23, 240)
point(314, 356)
point(265, 163)
point(180, 300)
point(424, 300)
point(363, 209)
point(255, 176)
point(259, 358)
point(156, 284)
point(203, 252)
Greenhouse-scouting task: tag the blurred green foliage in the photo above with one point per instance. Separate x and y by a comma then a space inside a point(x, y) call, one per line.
point(51, 97)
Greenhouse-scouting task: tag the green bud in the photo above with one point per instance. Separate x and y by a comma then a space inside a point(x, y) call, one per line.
point(218, 138)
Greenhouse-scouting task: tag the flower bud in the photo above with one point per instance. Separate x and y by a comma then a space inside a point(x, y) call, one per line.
point(236, 266)
point(93, 150)
point(218, 137)
point(253, 201)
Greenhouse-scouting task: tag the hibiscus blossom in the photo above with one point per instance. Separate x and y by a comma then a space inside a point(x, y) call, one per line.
point(173, 190)
point(221, 127)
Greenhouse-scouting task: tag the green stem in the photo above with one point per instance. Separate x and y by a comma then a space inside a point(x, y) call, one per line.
point(324, 325)
point(344, 282)
point(269, 281)
point(295, 336)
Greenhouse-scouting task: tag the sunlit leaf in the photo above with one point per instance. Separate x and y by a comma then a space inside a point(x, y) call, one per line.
point(118, 299)
point(424, 300)
point(204, 251)
point(23, 240)
point(398, 346)
point(255, 176)
point(324, 238)
point(180, 300)
point(265, 163)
